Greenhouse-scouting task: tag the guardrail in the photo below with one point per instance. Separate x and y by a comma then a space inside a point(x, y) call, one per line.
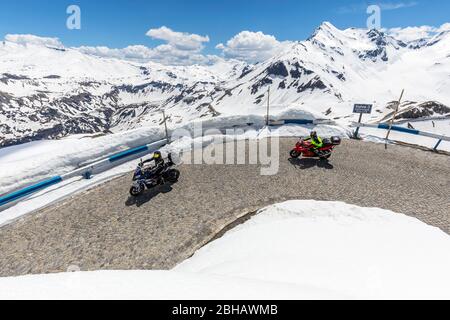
point(114, 160)
point(385, 126)
point(86, 171)
point(29, 190)
point(300, 122)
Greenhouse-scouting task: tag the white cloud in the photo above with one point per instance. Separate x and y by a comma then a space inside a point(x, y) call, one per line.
point(29, 39)
point(387, 6)
point(181, 49)
point(397, 5)
point(415, 33)
point(138, 52)
point(179, 40)
point(251, 46)
point(164, 54)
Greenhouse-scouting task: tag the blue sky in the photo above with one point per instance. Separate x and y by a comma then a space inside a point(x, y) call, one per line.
point(119, 23)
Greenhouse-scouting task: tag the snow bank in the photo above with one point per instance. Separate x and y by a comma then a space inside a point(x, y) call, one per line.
point(293, 250)
point(28, 163)
point(441, 127)
point(356, 252)
point(251, 120)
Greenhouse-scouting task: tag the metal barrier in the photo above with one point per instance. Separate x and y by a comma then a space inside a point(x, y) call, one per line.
point(385, 126)
point(300, 122)
point(29, 190)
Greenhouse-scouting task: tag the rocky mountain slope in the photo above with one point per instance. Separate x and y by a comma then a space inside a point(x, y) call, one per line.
point(50, 92)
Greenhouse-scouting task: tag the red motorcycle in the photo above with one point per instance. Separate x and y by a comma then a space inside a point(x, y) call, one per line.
point(304, 148)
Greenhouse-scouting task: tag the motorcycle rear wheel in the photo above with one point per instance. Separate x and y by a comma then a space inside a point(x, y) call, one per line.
point(295, 154)
point(173, 175)
point(136, 191)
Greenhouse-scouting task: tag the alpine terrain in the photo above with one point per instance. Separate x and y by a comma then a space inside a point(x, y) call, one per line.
point(48, 92)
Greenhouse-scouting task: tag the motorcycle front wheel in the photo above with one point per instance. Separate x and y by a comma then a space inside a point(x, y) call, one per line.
point(295, 154)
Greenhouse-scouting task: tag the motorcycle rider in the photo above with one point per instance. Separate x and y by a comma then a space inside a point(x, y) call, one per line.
point(159, 164)
point(316, 142)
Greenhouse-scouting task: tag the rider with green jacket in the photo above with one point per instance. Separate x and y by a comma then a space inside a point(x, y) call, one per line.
point(316, 142)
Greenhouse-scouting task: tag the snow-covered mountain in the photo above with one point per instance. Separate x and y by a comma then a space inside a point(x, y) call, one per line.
point(334, 69)
point(51, 92)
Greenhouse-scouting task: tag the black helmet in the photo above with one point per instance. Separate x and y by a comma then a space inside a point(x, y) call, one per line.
point(314, 134)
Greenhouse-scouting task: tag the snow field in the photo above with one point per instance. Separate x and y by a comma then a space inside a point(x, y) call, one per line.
point(294, 250)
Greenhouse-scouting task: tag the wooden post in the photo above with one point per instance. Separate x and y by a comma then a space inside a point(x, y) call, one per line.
point(165, 126)
point(268, 107)
point(393, 118)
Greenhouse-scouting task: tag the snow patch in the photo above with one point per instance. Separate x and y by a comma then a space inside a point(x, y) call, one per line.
point(293, 250)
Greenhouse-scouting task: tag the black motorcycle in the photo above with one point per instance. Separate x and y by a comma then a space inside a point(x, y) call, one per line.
point(144, 178)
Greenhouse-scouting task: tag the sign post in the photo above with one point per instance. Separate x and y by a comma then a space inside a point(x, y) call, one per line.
point(361, 109)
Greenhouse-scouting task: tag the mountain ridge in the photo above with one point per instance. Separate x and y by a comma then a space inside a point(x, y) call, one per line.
point(48, 93)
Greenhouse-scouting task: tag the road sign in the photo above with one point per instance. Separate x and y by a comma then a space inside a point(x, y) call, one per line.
point(362, 108)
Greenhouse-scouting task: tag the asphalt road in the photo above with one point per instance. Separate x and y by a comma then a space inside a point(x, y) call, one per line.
point(103, 228)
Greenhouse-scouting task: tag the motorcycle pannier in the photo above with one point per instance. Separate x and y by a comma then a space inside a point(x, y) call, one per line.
point(336, 141)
